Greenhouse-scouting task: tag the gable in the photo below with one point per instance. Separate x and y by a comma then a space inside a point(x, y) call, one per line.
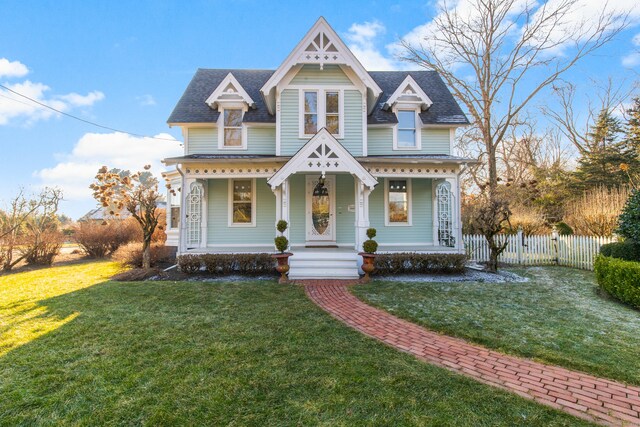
point(329, 74)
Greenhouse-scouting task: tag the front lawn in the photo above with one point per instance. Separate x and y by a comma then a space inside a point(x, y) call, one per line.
point(77, 349)
point(559, 317)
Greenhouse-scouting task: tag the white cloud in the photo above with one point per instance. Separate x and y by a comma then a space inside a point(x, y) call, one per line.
point(12, 68)
point(146, 100)
point(83, 100)
point(76, 170)
point(14, 107)
point(633, 58)
point(361, 39)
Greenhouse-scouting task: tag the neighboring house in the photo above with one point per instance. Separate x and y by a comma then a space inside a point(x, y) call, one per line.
point(102, 214)
point(324, 144)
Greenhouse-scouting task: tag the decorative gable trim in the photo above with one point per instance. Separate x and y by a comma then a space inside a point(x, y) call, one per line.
point(322, 154)
point(408, 93)
point(229, 91)
point(321, 45)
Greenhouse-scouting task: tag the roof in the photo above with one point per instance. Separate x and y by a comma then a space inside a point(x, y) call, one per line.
point(192, 106)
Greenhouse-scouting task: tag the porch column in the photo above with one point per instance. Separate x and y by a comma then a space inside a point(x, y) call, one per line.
point(182, 226)
point(204, 213)
point(285, 205)
point(456, 212)
point(278, 193)
point(362, 212)
point(434, 206)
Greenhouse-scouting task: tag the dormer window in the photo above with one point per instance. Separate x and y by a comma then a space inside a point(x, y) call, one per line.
point(232, 123)
point(321, 109)
point(407, 129)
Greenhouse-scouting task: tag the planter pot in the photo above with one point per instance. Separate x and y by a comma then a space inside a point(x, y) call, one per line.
point(283, 265)
point(367, 264)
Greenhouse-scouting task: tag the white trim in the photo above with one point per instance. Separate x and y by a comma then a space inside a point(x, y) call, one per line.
point(307, 159)
point(278, 125)
point(343, 56)
point(409, 222)
point(214, 100)
point(321, 110)
point(254, 208)
point(243, 128)
point(452, 140)
point(418, 125)
point(330, 180)
point(416, 92)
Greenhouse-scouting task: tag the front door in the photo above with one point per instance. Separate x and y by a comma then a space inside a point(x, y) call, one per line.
point(320, 210)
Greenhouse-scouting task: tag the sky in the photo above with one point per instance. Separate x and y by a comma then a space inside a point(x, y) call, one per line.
point(124, 65)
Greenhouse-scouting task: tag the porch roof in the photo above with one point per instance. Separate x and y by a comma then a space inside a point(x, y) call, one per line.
point(221, 158)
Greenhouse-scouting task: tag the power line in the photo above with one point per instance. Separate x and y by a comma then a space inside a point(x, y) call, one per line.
point(76, 117)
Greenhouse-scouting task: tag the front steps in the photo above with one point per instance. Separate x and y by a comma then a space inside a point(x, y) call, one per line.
point(327, 263)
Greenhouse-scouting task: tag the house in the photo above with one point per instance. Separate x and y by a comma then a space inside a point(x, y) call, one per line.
point(324, 144)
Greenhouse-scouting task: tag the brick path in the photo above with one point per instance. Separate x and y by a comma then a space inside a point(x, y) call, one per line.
point(595, 399)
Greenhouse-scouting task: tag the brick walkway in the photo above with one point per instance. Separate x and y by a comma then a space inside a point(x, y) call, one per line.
point(595, 399)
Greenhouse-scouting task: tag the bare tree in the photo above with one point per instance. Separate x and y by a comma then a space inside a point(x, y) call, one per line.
point(137, 193)
point(497, 55)
point(24, 223)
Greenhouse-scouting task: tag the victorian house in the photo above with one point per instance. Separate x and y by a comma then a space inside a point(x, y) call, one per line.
point(323, 143)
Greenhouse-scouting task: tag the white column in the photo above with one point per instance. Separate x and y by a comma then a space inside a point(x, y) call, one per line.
point(362, 212)
point(285, 205)
point(278, 193)
point(434, 203)
point(456, 222)
point(204, 214)
point(184, 192)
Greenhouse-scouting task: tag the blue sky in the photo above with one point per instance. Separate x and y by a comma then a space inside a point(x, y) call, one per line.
point(125, 64)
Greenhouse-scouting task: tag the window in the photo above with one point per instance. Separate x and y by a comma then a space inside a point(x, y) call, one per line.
point(310, 113)
point(407, 129)
point(398, 202)
point(174, 212)
point(445, 226)
point(232, 127)
point(194, 215)
point(322, 108)
point(332, 112)
point(242, 203)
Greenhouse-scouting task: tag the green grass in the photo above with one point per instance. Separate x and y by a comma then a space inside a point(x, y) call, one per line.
point(83, 351)
point(559, 317)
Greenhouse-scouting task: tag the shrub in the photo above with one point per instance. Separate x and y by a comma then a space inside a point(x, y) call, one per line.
point(99, 240)
point(370, 246)
point(629, 221)
point(627, 250)
point(282, 225)
point(190, 264)
point(281, 243)
point(530, 219)
point(131, 254)
point(43, 248)
point(371, 233)
point(619, 278)
point(417, 263)
point(596, 212)
point(246, 264)
point(564, 229)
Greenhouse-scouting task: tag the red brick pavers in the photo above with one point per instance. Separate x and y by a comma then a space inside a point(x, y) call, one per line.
point(595, 399)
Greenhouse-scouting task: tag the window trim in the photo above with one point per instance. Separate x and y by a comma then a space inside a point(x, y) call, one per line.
point(418, 122)
point(254, 207)
point(409, 222)
point(322, 110)
point(243, 127)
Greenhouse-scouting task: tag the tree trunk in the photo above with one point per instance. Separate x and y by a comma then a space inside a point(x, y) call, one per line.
point(146, 253)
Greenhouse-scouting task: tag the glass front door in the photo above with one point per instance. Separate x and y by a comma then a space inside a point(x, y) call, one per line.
point(320, 209)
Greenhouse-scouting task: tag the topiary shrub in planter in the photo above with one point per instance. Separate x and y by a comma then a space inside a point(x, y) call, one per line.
point(627, 250)
point(619, 278)
point(368, 256)
point(190, 264)
point(418, 263)
point(282, 243)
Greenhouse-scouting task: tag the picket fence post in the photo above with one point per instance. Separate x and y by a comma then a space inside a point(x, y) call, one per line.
point(519, 246)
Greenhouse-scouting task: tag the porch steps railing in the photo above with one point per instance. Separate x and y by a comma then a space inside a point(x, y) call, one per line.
point(323, 263)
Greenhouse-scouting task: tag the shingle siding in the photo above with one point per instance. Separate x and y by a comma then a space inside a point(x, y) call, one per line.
point(312, 74)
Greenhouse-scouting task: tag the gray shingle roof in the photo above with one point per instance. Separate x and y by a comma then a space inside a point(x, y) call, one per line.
point(191, 107)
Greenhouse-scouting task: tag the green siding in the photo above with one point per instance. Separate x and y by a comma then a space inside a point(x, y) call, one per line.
point(297, 208)
point(434, 141)
point(421, 230)
point(202, 140)
point(219, 233)
point(353, 122)
point(312, 74)
point(290, 122)
point(380, 141)
point(260, 140)
point(345, 220)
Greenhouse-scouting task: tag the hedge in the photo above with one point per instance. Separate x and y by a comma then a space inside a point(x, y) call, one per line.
point(224, 264)
point(619, 278)
point(417, 263)
point(627, 250)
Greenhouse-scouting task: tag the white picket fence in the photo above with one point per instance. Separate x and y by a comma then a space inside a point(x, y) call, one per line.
point(550, 249)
